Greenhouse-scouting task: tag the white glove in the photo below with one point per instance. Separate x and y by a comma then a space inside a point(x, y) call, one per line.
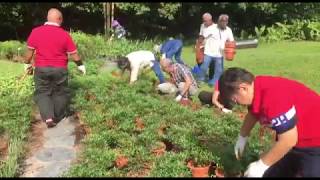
point(82, 68)
point(239, 147)
point(27, 67)
point(163, 56)
point(225, 110)
point(256, 169)
point(178, 98)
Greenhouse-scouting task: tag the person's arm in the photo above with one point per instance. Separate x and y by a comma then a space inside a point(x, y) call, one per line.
point(215, 101)
point(286, 141)
point(230, 38)
point(134, 73)
point(187, 84)
point(28, 55)
point(249, 121)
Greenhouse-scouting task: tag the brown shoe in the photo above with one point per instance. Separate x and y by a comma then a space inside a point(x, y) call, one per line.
point(50, 123)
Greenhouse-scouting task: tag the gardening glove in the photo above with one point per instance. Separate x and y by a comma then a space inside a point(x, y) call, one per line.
point(239, 147)
point(225, 110)
point(178, 98)
point(82, 68)
point(163, 56)
point(256, 169)
point(27, 67)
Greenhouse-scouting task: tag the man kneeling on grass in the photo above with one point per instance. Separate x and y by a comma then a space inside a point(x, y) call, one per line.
point(138, 60)
point(181, 76)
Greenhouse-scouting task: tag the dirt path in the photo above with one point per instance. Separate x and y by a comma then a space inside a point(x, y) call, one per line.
point(56, 152)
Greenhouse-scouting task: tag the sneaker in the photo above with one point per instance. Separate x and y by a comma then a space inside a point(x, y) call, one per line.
point(50, 123)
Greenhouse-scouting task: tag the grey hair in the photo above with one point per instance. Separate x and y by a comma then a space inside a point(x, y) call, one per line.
point(223, 16)
point(207, 15)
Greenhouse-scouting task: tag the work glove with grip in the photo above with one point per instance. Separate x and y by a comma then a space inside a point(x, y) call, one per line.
point(256, 169)
point(82, 68)
point(239, 147)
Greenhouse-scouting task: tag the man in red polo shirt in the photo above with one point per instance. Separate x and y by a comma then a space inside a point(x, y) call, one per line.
point(288, 107)
point(51, 46)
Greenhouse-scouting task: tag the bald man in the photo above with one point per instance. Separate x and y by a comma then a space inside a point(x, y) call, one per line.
point(52, 45)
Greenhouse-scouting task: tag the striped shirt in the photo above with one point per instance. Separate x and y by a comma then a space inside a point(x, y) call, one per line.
point(179, 72)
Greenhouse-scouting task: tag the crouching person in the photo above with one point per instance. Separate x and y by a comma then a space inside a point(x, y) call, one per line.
point(182, 79)
point(138, 60)
point(288, 107)
point(213, 98)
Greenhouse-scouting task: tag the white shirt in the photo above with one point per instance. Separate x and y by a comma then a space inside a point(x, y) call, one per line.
point(215, 39)
point(139, 60)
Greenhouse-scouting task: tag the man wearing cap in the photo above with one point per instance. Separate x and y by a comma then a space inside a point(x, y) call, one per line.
point(51, 46)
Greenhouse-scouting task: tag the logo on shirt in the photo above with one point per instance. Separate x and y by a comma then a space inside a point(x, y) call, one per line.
point(284, 118)
point(285, 121)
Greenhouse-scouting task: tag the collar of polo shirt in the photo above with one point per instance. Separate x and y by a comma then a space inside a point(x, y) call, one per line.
point(51, 23)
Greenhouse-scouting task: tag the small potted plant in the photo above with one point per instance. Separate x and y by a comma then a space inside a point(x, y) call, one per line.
point(200, 164)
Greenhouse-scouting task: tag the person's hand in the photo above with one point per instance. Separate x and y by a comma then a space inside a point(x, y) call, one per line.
point(82, 68)
point(225, 110)
point(27, 67)
point(178, 98)
point(239, 147)
point(256, 169)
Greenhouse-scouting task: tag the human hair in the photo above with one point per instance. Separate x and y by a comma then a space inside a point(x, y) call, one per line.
point(123, 63)
point(207, 16)
point(231, 79)
point(223, 16)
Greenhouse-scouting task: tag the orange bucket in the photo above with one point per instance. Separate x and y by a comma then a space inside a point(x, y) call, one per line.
point(229, 50)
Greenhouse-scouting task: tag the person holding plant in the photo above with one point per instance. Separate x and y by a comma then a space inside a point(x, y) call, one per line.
point(170, 48)
point(52, 45)
point(181, 77)
point(138, 60)
point(288, 107)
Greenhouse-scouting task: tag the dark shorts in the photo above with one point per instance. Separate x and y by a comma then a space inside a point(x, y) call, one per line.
point(298, 162)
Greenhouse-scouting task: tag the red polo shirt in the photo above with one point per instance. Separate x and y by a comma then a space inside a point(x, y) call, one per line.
point(282, 103)
point(52, 44)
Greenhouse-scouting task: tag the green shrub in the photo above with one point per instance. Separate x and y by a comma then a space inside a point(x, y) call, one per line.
point(10, 49)
point(295, 30)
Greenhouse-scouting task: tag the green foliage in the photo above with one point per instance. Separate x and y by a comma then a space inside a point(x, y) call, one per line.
point(96, 46)
point(297, 30)
point(15, 103)
point(9, 49)
point(137, 8)
point(168, 10)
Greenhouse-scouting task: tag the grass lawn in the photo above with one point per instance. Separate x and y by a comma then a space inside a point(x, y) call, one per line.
point(112, 113)
point(296, 60)
point(8, 68)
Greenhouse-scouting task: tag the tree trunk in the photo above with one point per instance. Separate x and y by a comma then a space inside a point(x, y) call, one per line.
point(108, 18)
point(105, 19)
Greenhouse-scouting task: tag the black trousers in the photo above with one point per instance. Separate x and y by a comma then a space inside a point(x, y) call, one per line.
point(52, 94)
point(205, 97)
point(304, 162)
